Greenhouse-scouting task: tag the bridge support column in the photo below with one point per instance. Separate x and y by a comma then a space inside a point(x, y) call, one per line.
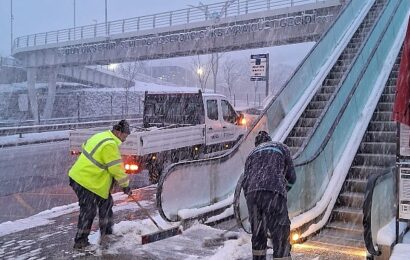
point(51, 94)
point(32, 94)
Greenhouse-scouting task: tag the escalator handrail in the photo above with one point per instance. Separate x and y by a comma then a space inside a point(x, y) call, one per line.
point(341, 112)
point(367, 210)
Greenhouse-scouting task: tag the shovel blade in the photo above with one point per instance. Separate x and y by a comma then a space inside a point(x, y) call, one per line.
point(159, 235)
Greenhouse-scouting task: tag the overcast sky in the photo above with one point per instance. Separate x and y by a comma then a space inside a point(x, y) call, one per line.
point(34, 16)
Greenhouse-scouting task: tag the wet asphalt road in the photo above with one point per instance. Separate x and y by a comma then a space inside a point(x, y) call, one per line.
point(34, 178)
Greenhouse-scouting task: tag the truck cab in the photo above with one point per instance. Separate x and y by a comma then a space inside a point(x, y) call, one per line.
point(222, 122)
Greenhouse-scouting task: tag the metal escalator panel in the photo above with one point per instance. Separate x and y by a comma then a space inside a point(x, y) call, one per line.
point(189, 185)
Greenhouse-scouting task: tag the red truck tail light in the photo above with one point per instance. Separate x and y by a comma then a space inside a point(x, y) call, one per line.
point(74, 152)
point(132, 167)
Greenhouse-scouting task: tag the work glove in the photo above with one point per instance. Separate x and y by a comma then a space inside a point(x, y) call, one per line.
point(288, 186)
point(127, 190)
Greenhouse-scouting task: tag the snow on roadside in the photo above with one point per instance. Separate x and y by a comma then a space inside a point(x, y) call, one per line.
point(47, 217)
point(33, 137)
point(400, 252)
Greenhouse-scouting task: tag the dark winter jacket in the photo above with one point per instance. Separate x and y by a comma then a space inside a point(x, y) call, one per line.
point(269, 167)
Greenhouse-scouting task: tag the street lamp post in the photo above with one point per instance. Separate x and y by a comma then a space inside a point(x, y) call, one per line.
point(106, 24)
point(74, 13)
point(11, 26)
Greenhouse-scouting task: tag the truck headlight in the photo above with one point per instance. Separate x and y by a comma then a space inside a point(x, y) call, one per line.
point(243, 121)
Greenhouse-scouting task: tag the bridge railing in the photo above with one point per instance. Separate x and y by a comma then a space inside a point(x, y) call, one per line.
point(184, 16)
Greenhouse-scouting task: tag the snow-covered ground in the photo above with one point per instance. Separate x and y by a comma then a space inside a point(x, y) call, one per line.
point(32, 138)
point(402, 251)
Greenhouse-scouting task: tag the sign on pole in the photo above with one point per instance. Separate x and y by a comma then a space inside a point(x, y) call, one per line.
point(404, 140)
point(260, 69)
point(404, 193)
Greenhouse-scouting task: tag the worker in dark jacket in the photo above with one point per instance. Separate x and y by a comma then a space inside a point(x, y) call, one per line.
point(269, 174)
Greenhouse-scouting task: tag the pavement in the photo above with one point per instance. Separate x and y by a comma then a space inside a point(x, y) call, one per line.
point(53, 239)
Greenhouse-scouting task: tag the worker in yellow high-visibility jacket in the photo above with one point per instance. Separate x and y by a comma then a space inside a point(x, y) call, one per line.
point(91, 178)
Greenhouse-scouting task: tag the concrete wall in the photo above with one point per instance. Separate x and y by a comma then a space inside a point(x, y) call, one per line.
point(12, 75)
point(92, 103)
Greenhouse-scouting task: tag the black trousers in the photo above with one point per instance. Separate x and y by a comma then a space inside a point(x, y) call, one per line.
point(89, 203)
point(268, 212)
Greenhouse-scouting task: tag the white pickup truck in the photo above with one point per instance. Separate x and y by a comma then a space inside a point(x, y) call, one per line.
point(176, 126)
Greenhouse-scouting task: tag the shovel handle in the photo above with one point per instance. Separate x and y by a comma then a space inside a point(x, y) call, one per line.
point(146, 212)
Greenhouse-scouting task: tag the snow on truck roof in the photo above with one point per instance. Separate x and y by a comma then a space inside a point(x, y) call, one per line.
point(187, 92)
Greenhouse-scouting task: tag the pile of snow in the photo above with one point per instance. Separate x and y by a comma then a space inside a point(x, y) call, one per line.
point(194, 212)
point(387, 234)
point(129, 234)
point(402, 251)
point(240, 248)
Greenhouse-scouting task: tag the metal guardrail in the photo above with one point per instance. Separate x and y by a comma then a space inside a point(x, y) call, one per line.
point(20, 130)
point(66, 120)
point(9, 62)
point(200, 13)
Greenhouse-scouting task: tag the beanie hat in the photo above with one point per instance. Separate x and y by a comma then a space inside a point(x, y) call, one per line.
point(122, 126)
point(262, 137)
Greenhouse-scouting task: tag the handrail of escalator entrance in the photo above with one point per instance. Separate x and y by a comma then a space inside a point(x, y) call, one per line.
point(367, 210)
point(340, 114)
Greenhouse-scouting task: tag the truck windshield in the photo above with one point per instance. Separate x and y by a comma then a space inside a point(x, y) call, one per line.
point(173, 109)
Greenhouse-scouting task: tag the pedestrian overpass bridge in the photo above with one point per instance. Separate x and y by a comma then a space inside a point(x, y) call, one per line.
point(220, 27)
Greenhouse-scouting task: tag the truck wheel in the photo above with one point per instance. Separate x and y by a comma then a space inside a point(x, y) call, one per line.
point(154, 173)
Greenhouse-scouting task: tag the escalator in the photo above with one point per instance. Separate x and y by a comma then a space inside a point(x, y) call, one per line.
point(353, 139)
point(376, 155)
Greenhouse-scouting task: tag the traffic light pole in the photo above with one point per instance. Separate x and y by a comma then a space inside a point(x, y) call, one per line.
point(267, 75)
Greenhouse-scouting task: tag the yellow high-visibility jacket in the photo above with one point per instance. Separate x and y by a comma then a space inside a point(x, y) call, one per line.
point(99, 162)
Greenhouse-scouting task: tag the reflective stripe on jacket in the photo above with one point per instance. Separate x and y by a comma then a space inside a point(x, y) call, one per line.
point(99, 162)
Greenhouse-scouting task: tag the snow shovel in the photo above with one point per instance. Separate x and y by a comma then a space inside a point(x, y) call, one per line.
point(159, 235)
point(221, 238)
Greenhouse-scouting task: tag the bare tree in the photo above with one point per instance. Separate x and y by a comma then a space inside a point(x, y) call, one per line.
point(214, 63)
point(202, 71)
point(231, 73)
point(214, 14)
point(130, 71)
